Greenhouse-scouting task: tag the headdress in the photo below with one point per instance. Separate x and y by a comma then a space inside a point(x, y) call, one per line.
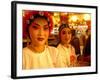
point(63, 26)
point(30, 15)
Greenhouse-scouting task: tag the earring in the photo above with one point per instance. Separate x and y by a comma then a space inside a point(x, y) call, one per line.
point(28, 41)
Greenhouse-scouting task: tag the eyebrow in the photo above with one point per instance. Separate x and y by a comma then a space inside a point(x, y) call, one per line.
point(35, 24)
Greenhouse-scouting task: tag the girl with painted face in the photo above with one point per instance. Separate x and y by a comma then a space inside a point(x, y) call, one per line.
point(38, 54)
point(66, 50)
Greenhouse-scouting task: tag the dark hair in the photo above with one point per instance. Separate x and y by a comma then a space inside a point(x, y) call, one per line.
point(73, 32)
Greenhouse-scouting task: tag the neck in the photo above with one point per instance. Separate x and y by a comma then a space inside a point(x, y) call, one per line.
point(66, 45)
point(37, 49)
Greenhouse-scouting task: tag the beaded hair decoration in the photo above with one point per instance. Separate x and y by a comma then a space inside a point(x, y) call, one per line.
point(63, 26)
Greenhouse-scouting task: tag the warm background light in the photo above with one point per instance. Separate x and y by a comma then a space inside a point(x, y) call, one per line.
point(74, 18)
point(86, 17)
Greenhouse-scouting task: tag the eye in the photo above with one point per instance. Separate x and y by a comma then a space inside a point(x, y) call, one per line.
point(69, 32)
point(46, 28)
point(35, 27)
point(63, 32)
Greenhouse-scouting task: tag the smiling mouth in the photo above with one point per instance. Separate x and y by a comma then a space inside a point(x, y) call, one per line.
point(40, 39)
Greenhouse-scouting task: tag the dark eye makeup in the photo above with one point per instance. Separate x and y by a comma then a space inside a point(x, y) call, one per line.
point(66, 32)
point(63, 32)
point(35, 27)
point(46, 27)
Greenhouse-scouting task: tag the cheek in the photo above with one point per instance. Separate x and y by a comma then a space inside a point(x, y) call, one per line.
point(70, 36)
point(32, 33)
point(47, 34)
point(62, 37)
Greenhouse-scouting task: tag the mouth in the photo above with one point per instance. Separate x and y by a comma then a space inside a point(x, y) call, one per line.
point(66, 39)
point(40, 39)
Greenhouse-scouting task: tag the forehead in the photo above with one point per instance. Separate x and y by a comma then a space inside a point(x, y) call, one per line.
point(66, 29)
point(40, 20)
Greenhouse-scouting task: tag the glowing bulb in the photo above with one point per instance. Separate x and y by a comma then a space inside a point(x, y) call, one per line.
point(86, 17)
point(74, 18)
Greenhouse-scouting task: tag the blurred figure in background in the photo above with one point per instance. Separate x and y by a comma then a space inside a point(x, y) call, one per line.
point(85, 58)
point(75, 43)
point(87, 49)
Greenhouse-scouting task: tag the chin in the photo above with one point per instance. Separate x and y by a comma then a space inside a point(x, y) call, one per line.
point(41, 44)
point(67, 42)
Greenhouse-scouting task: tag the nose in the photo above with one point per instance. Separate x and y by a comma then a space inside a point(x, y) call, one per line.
point(67, 35)
point(41, 32)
